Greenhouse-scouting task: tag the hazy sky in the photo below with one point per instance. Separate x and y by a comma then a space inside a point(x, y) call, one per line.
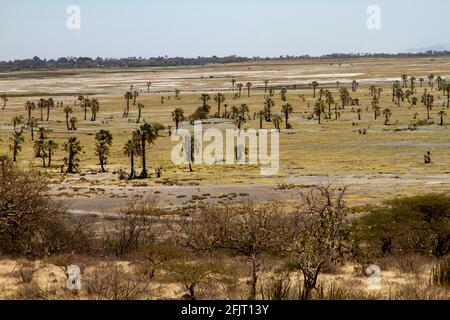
point(119, 28)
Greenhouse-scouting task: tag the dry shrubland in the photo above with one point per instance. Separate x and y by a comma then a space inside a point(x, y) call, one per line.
point(226, 251)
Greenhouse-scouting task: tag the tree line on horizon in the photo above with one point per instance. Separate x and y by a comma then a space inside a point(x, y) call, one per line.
point(130, 62)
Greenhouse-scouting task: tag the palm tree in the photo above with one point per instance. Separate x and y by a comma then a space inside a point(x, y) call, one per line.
point(50, 104)
point(268, 105)
point(29, 106)
point(177, 117)
point(83, 104)
point(148, 134)
point(5, 100)
point(283, 93)
point(95, 107)
point(128, 96)
point(430, 79)
point(177, 94)
point(16, 139)
point(442, 114)
point(73, 149)
point(314, 84)
point(32, 124)
point(103, 143)
point(387, 115)
point(319, 108)
point(421, 82)
point(73, 121)
point(261, 114)
point(329, 100)
point(354, 85)
point(243, 109)
point(42, 103)
point(447, 90)
point(148, 86)
point(51, 147)
point(140, 106)
point(219, 98)
point(239, 86)
point(266, 83)
point(16, 120)
point(135, 95)
point(205, 98)
point(132, 149)
point(233, 82)
point(358, 111)
point(68, 111)
point(286, 109)
point(248, 85)
point(40, 150)
point(405, 80)
point(276, 119)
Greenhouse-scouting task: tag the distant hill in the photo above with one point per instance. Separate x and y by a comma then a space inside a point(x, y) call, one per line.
point(435, 48)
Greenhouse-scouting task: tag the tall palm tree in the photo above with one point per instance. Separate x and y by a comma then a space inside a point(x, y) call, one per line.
point(95, 107)
point(73, 121)
point(248, 85)
point(32, 125)
point(50, 105)
point(268, 105)
point(239, 86)
point(51, 147)
point(314, 84)
point(128, 96)
point(135, 95)
point(40, 150)
point(442, 114)
point(132, 149)
point(266, 83)
point(233, 82)
point(405, 80)
point(5, 100)
point(177, 117)
point(243, 109)
point(140, 106)
point(447, 90)
point(148, 134)
point(148, 86)
point(219, 98)
point(286, 109)
point(29, 106)
point(16, 144)
point(261, 114)
point(276, 119)
point(42, 103)
point(16, 120)
point(73, 149)
point(354, 85)
point(319, 108)
point(387, 115)
point(205, 98)
point(103, 143)
point(329, 100)
point(68, 111)
point(283, 93)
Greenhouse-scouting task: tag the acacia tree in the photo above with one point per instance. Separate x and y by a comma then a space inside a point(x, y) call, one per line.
point(322, 220)
point(132, 149)
point(246, 229)
point(73, 149)
point(103, 142)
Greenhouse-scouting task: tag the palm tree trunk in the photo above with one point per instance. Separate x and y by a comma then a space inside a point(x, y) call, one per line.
point(144, 173)
point(49, 157)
